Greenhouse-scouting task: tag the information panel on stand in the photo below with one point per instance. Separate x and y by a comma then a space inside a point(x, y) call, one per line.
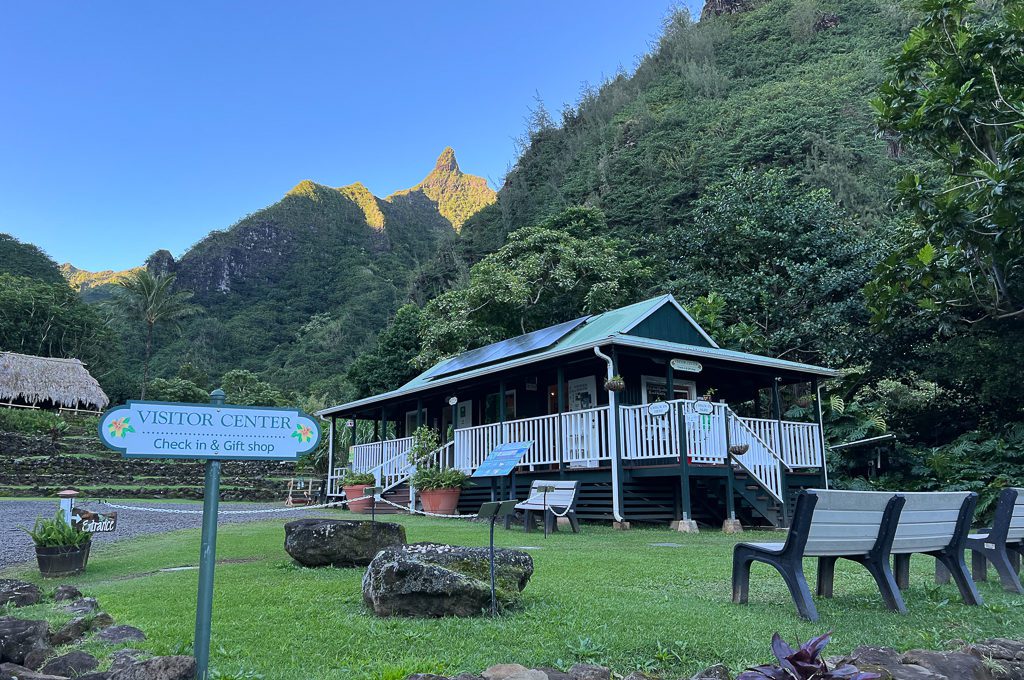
point(502, 459)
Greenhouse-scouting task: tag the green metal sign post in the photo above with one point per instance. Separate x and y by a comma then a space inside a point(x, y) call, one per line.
point(207, 559)
point(212, 432)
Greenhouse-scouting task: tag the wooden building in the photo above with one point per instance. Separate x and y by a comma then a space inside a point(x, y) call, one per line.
point(644, 453)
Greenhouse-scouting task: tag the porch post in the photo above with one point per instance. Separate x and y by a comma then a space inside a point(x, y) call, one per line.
point(821, 430)
point(560, 386)
point(686, 524)
point(377, 420)
point(330, 458)
point(501, 409)
point(670, 382)
point(731, 525)
point(777, 414)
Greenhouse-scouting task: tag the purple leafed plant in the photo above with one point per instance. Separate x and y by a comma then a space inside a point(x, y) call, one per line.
point(803, 664)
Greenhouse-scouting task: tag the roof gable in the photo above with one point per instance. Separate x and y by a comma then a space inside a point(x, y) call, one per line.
point(670, 322)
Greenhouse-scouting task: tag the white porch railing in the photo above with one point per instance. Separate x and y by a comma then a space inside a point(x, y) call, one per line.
point(760, 461)
point(365, 457)
point(799, 444)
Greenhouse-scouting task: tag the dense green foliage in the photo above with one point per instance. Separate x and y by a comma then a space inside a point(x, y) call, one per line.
point(388, 365)
point(25, 259)
point(957, 93)
point(567, 265)
point(28, 421)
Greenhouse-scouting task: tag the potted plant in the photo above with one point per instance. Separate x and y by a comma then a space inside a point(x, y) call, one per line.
point(615, 384)
point(425, 442)
point(355, 485)
point(438, 489)
point(61, 549)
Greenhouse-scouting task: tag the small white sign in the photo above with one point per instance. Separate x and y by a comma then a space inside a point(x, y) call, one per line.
point(704, 408)
point(658, 408)
point(686, 366)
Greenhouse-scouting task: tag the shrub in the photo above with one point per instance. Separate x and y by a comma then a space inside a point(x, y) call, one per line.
point(56, 533)
point(359, 479)
point(430, 479)
point(425, 440)
point(28, 421)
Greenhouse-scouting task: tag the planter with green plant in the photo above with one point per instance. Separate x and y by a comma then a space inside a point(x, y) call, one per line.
point(61, 549)
point(438, 489)
point(355, 485)
point(616, 383)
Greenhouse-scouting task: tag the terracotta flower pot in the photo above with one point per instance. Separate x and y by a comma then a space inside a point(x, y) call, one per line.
point(358, 491)
point(441, 501)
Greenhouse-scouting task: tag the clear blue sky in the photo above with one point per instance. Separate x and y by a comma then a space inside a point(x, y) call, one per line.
point(127, 127)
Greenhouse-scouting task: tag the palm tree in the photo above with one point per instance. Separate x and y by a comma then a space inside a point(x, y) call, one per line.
point(153, 300)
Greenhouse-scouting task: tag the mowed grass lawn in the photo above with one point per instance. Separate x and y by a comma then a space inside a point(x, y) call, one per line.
point(603, 596)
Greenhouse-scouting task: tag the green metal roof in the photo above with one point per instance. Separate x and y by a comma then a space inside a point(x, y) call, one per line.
point(611, 327)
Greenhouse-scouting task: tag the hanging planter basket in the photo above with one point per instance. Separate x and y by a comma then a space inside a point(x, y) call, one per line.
point(738, 449)
point(615, 384)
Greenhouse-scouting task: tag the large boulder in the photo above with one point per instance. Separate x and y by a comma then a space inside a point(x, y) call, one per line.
point(24, 639)
point(118, 634)
point(18, 593)
point(431, 580)
point(339, 542)
point(12, 671)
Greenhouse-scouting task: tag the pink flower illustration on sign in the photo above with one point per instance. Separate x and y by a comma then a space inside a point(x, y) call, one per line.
point(303, 433)
point(120, 427)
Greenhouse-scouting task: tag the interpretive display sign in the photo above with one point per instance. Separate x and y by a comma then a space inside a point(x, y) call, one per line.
point(502, 459)
point(158, 429)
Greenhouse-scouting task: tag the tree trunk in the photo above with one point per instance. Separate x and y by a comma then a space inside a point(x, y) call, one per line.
point(145, 362)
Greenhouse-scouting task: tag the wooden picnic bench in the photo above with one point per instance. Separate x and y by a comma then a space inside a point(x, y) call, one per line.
point(1002, 544)
point(853, 525)
point(558, 501)
point(302, 492)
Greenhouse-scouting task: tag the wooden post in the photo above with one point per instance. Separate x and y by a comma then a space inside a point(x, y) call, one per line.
point(686, 524)
point(330, 458)
point(821, 430)
point(670, 382)
point(560, 386)
point(377, 426)
point(783, 482)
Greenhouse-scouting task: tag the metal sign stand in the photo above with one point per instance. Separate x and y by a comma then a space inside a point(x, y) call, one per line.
point(207, 558)
point(493, 511)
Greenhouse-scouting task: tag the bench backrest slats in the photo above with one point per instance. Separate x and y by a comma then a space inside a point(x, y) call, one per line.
point(1016, 529)
point(845, 522)
point(563, 496)
point(929, 521)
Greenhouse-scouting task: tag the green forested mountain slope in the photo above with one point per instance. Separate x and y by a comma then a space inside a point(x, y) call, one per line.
point(786, 84)
point(25, 259)
point(297, 289)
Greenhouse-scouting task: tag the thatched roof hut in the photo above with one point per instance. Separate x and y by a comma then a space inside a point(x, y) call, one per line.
point(47, 381)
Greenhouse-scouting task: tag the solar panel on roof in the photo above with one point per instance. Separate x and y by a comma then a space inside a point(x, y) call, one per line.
point(506, 349)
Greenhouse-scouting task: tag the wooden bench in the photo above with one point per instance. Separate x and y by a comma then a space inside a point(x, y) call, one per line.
point(937, 524)
point(854, 525)
point(302, 492)
point(560, 501)
point(1002, 545)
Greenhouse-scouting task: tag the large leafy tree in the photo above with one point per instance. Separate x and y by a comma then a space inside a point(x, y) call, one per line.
point(956, 92)
point(151, 299)
point(544, 274)
point(389, 364)
point(777, 264)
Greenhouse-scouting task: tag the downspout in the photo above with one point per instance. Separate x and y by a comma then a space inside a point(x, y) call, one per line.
point(613, 436)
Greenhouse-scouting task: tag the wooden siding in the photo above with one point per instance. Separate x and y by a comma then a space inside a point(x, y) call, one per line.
point(666, 323)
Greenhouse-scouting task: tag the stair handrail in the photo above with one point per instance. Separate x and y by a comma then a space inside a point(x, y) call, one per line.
point(756, 436)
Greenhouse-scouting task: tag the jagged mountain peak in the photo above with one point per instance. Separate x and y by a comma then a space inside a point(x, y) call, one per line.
point(447, 162)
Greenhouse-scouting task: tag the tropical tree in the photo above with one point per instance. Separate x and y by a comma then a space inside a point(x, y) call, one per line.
point(956, 92)
point(152, 300)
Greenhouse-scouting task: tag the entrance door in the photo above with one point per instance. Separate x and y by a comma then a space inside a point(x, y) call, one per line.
point(581, 431)
point(410, 421)
point(464, 414)
point(653, 389)
point(662, 432)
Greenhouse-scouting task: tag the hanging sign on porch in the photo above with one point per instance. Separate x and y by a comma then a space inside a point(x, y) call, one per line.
point(704, 408)
point(159, 429)
point(686, 366)
point(502, 459)
point(658, 408)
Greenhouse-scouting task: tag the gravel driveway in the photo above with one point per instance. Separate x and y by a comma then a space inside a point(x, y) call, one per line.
point(16, 546)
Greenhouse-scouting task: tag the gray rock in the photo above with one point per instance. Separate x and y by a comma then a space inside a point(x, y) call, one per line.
point(124, 658)
point(84, 605)
point(512, 671)
point(101, 620)
point(70, 631)
point(10, 671)
point(19, 593)
point(71, 665)
point(637, 675)
point(66, 592)
point(118, 634)
point(555, 674)
point(951, 664)
point(998, 648)
point(426, 676)
point(23, 641)
point(338, 542)
point(159, 668)
point(467, 676)
point(716, 672)
point(889, 664)
point(432, 580)
point(94, 676)
point(589, 671)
